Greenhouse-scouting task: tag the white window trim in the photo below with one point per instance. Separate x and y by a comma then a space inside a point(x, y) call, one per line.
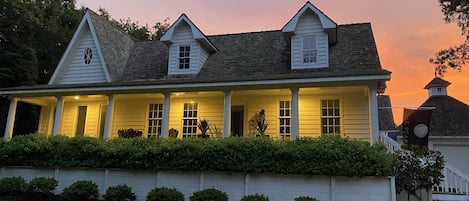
point(148, 119)
point(341, 116)
point(289, 135)
point(303, 49)
point(189, 118)
point(179, 57)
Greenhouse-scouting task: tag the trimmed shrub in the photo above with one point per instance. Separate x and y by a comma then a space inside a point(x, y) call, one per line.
point(209, 194)
point(331, 156)
point(255, 197)
point(119, 193)
point(305, 198)
point(42, 185)
point(165, 194)
point(12, 186)
point(81, 191)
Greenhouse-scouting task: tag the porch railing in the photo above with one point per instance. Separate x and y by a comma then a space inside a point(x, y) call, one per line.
point(390, 143)
point(454, 181)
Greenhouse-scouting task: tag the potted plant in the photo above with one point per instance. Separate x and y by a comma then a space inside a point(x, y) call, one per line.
point(173, 133)
point(129, 133)
point(260, 124)
point(203, 126)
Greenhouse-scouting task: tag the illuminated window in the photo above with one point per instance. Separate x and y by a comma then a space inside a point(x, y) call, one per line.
point(285, 120)
point(184, 57)
point(330, 117)
point(189, 121)
point(309, 49)
point(155, 119)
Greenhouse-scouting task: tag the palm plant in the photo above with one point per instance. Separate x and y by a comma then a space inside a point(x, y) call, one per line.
point(260, 124)
point(203, 126)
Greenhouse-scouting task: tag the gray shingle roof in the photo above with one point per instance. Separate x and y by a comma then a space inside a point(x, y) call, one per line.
point(241, 57)
point(449, 118)
point(115, 45)
point(437, 82)
point(385, 116)
point(260, 56)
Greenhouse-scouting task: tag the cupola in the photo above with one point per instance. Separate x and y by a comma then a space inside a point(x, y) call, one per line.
point(437, 87)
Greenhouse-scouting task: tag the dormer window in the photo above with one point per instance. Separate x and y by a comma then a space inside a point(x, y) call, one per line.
point(184, 56)
point(309, 49)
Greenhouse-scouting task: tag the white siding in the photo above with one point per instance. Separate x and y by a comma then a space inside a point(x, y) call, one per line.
point(451, 148)
point(92, 118)
point(44, 120)
point(75, 71)
point(183, 36)
point(309, 25)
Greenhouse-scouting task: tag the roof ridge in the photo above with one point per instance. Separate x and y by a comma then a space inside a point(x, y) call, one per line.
point(355, 23)
point(241, 33)
point(107, 21)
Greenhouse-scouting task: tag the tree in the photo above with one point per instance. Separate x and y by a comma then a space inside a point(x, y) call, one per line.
point(33, 37)
point(454, 11)
point(419, 169)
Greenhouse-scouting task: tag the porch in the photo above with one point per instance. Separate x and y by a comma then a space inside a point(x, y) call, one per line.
point(290, 112)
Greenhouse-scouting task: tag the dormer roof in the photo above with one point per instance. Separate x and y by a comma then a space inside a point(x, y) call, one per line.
point(196, 33)
point(330, 27)
point(437, 82)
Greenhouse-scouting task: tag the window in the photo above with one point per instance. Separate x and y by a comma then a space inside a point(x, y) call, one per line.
point(330, 117)
point(438, 89)
point(189, 121)
point(88, 56)
point(285, 120)
point(184, 57)
point(309, 49)
point(155, 119)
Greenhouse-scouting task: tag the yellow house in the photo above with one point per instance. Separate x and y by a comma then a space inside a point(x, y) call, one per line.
point(313, 77)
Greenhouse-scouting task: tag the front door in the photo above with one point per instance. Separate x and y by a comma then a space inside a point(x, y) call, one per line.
point(237, 120)
point(81, 120)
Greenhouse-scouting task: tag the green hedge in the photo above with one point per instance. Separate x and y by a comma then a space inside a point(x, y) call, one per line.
point(333, 156)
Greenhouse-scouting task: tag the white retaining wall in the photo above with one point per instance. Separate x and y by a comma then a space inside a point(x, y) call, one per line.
point(236, 185)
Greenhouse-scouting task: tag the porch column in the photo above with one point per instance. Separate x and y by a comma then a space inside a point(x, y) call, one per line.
point(59, 110)
point(374, 122)
point(109, 115)
point(227, 115)
point(10, 119)
point(294, 114)
point(165, 120)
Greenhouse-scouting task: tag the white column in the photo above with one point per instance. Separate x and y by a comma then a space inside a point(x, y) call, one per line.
point(50, 123)
point(109, 115)
point(11, 119)
point(295, 125)
point(374, 121)
point(59, 110)
point(165, 120)
point(227, 115)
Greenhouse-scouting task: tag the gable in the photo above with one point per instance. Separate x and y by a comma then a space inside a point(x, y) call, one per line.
point(309, 26)
point(79, 69)
point(329, 26)
point(82, 62)
point(184, 35)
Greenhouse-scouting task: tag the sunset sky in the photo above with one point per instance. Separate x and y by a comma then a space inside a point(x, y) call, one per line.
point(407, 32)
